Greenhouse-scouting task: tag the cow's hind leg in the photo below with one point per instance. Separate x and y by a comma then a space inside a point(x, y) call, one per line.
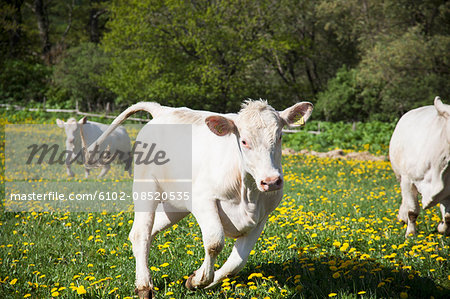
point(164, 220)
point(140, 237)
point(444, 225)
point(69, 171)
point(213, 241)
point(409, 209)
point(104, 171)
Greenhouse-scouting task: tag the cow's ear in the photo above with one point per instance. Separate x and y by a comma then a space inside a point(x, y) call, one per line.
point(297, 114)
point(83, 120)
point(220, 125)
point(60, 123)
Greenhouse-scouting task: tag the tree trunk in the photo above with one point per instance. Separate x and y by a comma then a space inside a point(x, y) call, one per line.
point(15, 31)
point(94, 27)
point(41, 13)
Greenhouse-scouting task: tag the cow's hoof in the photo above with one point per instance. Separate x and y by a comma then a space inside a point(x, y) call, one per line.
point(189, 284)
point(411, 230)
point(444, 228)
point(144, 293)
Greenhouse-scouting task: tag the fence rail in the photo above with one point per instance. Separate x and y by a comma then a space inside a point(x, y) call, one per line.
point(75, 111)
point(78, 112)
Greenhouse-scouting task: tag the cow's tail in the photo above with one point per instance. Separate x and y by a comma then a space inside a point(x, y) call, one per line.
point(151, 107)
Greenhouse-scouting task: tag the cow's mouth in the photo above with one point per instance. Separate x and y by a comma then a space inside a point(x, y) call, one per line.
point(273, 183)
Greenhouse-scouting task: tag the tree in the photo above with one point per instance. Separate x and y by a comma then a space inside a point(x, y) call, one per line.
point(341, 99)
point(404, 73)
point(77, 77)
point(178, 52)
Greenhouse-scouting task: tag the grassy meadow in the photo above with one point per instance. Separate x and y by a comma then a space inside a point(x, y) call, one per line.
point(335, 234)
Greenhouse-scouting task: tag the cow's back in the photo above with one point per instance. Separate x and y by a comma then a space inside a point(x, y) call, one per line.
point(215, 160)
point(117, 140)
point(414, 141)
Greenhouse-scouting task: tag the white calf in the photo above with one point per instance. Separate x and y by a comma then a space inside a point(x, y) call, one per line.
point(237, 182)
point(420, 155)
point(118, 142)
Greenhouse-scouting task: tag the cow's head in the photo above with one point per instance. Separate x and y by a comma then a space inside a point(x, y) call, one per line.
point(258, 131)
point(72, 129)
point(443, 111)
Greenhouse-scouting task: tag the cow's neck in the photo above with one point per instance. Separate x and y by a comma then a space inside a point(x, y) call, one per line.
point(250, 197)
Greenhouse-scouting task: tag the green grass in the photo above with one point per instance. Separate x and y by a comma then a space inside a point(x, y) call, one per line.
point(334, 234)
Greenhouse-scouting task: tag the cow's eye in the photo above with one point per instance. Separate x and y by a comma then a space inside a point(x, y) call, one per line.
point(245, 143)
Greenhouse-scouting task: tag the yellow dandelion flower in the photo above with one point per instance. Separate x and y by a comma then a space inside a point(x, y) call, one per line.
point(113, 290)
point(344, 247)
point(81, 290)
point(254, 275)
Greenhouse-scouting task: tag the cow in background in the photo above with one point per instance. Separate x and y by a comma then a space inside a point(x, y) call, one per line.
point(419, 151)
point(118, 142)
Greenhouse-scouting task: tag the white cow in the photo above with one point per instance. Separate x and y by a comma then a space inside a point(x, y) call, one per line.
point(118, 142)
point(237, 182)
point(420, 155)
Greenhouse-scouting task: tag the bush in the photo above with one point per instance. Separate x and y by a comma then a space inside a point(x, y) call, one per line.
point(341, 99)
point(372, 136)
point(76, 77)
point(23, 80)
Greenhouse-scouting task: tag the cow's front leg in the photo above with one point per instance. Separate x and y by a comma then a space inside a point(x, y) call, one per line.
point(444, 225)
point(86, 172)
point(239, 255)
point(213, 241)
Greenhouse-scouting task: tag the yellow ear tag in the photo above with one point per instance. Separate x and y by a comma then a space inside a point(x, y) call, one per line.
point(300, 122)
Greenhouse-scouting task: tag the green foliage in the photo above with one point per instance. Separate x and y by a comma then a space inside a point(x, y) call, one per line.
point(77, 76)
point(358, 61)
point(404, 73)
point(404, 58)
point(23, 80)
point(341, 99)
point(180, 52)
point(371, 136)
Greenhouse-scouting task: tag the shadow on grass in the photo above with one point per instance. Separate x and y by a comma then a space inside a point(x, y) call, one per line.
point(355, 275)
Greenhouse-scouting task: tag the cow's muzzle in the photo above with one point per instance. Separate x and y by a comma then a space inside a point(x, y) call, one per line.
point(271, 183)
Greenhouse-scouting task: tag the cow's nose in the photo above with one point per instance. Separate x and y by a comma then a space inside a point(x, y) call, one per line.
point(271, 183)
point(70, 140)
